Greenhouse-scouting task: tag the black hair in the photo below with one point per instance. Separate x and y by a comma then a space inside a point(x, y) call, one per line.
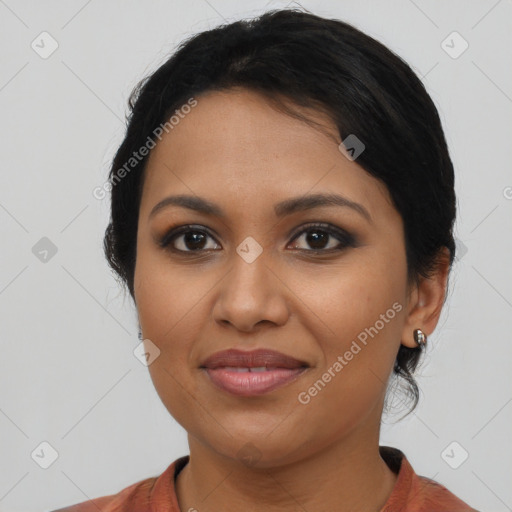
point(295, 56)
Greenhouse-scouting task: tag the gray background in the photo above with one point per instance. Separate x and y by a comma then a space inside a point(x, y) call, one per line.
point(68, 375)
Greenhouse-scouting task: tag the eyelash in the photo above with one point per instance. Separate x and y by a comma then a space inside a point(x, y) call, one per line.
point(345, 239)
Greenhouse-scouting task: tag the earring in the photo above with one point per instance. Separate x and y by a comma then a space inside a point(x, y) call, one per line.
point(420, 337)
point(140, 334)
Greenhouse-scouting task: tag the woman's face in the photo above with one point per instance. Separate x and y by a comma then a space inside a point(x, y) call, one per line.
point(209, 291)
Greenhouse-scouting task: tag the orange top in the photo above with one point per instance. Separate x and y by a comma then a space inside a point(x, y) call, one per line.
point(411, 493)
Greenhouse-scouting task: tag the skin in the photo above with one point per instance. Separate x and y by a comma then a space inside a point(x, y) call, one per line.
point(238, 151)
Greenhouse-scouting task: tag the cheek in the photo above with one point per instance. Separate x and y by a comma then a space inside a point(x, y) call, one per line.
point(340, 303)
point(167, 296)
point(163, 317)
point(172, 305)
point(351, 382)
point(361, 311)
point(166, 313)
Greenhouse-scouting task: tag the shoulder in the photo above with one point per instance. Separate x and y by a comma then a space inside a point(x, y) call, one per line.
point(136, 494)
point(431, 495)
point(415, 492)
point(139, 496)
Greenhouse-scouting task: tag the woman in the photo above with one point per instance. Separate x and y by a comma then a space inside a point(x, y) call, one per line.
point(282, 214)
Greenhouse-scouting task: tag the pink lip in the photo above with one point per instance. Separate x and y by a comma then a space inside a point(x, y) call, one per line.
point(252, 359)
point(280, 370)
point(250, 383)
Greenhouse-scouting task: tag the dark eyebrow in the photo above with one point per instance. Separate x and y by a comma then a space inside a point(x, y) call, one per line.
point(309, 202)
point(281, 209)
point(191, 202)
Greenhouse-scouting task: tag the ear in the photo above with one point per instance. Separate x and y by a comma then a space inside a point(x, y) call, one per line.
point(426, 300)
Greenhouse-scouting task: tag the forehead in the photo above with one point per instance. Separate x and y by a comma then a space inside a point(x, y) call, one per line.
point(235, 144)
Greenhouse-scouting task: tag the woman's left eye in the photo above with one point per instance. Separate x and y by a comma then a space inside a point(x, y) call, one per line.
point(318, 236)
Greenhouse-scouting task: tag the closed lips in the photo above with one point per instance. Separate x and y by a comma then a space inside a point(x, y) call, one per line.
point(245, 369)
point(252, 373)
point(259, 360)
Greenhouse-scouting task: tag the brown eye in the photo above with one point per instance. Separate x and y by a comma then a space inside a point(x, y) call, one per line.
point(187, 239)
point(324, 238)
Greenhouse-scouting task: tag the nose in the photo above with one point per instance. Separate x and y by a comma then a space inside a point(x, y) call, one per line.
point(251, 294)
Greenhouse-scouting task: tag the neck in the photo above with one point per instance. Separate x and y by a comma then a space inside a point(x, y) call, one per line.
point(349, 475)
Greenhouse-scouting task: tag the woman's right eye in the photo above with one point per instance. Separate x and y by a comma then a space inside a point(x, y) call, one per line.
point(187, 239)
